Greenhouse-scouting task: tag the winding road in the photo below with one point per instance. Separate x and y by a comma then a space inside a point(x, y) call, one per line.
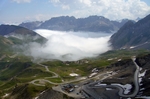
point(54, 76)
point(44, 80)
point(87, 88)
point(47, 69)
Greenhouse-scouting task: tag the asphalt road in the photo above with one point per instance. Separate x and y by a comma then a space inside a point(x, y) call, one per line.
point(88, 88)
point(44, 80)
point(47, 69)
point(54, 76)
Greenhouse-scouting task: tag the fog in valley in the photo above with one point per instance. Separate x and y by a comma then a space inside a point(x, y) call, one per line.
point(68, 46)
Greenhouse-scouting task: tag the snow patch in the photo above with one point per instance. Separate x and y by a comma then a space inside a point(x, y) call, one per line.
point(142, 74)
point(132, 47)
point(6, 95)
point(74, 74)
point(109, 89)
point(93, 74)
point(119, 59)
point(140, 80)
point(142, 89)
point(110, 59)
point(127, 87)
point(99, 84)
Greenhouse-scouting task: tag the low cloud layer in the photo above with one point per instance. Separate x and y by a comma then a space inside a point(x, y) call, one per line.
point(69, 46)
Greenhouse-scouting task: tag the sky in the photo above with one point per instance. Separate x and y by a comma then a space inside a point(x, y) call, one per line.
point(18, 11)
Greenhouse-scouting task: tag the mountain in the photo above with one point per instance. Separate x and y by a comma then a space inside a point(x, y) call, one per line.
point(20, 33)
point(31, 25)
point(133, 35)
point(5, 44)
point(66, 23)
point(12, 29)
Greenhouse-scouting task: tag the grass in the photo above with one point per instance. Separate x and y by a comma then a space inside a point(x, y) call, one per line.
point(33, 90)
point(34, 73)
point(123, 53)
point(22, 70)
point(13, 69)
point(8, 84)
point(55, 80)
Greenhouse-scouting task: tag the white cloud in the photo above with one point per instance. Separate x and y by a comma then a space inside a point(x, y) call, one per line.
point(38, 17)
point(86, 2)
point(64, 4)
point(67, 46)
point(112, 9)
point(54, 1)
point(66, 7)
point(22, 1)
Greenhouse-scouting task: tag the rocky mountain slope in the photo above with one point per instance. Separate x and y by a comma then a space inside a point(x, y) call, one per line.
point(66, 23)
point(133, 35)
point(144, 63)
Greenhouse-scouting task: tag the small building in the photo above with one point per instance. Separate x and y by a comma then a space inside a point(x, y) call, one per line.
point(68, 88)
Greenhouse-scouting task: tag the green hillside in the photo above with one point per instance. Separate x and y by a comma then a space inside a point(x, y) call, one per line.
point(5, 44)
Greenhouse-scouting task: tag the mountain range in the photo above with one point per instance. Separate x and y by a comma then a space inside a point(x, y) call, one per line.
point(130, 34)
point(66, 23)
point(133, 35)
point(20, 78)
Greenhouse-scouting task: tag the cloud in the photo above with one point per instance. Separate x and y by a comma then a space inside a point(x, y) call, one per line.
point(86, 2)
point(67, 46)
point(54, 1)
point(22, 1)
point(37, 17)
point(112, 9)
point(62, 3)
point(66, 7)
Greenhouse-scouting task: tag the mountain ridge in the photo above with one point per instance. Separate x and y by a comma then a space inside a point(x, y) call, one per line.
point(132, 35)
point(15, 33)
point(70, 23)
point(10, 29)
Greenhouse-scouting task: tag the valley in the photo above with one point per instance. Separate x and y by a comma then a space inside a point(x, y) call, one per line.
point(70, 65)
point(43, 76)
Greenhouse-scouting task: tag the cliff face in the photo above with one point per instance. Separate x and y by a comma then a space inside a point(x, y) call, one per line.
point(144, 63)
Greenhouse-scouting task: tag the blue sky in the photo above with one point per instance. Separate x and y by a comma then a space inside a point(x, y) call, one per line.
point(17, 11)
